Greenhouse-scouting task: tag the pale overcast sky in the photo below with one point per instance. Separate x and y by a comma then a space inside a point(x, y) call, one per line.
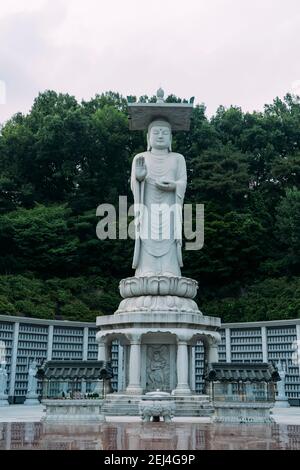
point(241, 52)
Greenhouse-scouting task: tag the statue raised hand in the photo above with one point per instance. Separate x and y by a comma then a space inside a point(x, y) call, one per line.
point(140, 169)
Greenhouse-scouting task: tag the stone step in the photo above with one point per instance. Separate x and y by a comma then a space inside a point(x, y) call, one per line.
point(126, 405)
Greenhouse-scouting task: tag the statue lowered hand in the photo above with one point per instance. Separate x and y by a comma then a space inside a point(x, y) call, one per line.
point(166, 185)
point(140, 169)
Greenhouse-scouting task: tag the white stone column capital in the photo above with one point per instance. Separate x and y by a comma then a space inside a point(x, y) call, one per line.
point(101, 338)
point(135, 338)
point(135, 342)
point(214, 339)
point(184, 338)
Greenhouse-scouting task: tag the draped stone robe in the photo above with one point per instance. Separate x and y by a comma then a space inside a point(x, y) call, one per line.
point(158, 215)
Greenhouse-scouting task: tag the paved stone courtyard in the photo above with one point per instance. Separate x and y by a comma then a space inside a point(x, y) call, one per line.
point(22, 413)
point(20, 428)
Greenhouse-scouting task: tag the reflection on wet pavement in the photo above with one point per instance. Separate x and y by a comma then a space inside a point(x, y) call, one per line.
point(148, 436)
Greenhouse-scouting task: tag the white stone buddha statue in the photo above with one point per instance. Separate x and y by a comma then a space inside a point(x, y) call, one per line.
point(158, 183)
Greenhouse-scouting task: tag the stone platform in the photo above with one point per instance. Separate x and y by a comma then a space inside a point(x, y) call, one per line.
point(243, 413)
point(69, 411)
point(157, 324)
point(157, 347)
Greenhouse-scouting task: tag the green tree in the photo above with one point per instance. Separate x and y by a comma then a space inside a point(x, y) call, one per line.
point(64, 158)
point(288, 230)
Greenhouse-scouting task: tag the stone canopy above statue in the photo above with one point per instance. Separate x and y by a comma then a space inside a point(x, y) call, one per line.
point(177, 114)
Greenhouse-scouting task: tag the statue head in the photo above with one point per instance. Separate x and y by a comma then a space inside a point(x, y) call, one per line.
point(159, 135)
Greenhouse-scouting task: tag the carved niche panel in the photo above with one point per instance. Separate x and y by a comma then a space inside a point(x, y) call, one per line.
point(158, 367)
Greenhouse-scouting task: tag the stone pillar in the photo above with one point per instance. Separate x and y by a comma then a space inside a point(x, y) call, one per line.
point(228, 344)
point(120, 368)
point(50, 342)
point(85, 343)
point(102, 356)
point(193, 368)
point(102, 351)
point(183, 387)
point(212, 349)
point(134, 384)
point(85, 354)
point(13, 363)
point(264, 344)
point(212, 353)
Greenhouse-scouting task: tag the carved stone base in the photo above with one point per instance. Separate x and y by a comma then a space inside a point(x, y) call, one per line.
point(32, 399)
point(4, 400)
point(134, 390)
point(166, 303)
point(158, 286)
point(181, 391)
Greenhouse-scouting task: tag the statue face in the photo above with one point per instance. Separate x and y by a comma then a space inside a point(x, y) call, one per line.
point(160, 137)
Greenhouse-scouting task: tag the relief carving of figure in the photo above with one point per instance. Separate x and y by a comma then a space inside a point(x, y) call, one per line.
point(157, 369)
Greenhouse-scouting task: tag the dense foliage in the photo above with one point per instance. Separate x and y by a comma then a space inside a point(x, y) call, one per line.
point(64, 158)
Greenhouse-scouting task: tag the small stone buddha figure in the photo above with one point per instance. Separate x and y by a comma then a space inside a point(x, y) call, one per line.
point(32, 380)
point(3, 378)
point(158, 183)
